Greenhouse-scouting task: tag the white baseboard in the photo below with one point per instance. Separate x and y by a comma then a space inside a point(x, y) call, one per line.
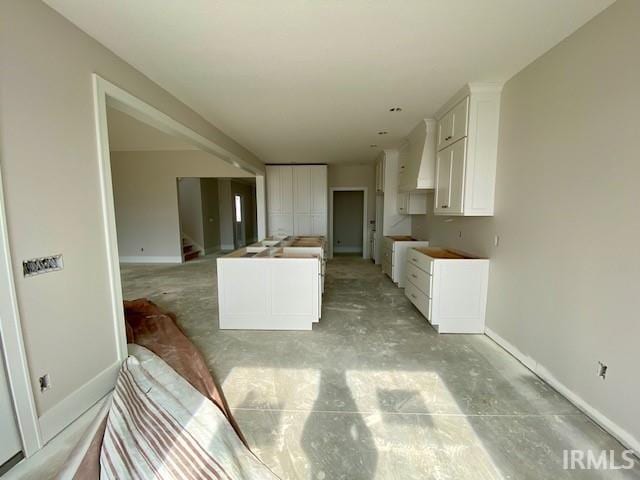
point(56, 419)
point(623, 436)
point(227, 247)
point(143, 259)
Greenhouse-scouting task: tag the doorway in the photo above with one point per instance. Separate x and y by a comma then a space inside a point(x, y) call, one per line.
point(348, 222)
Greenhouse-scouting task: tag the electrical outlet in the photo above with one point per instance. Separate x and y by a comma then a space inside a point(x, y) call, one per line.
point(496, 240)
point(45, 382)
point(602, 370)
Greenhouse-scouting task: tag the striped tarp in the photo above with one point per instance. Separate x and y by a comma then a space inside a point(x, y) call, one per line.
point(159, 426)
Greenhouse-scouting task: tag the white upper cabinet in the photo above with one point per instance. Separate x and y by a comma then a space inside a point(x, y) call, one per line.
point(453, 126)
point(297, 199)
point(467, 152)
point(417, 162)
point(449, 194)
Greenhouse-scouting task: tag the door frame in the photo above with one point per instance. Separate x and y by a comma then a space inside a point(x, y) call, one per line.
point(108, 94)
point(15, 356)
point(365, 229)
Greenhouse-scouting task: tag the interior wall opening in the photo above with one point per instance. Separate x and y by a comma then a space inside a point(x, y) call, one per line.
point(348, 228)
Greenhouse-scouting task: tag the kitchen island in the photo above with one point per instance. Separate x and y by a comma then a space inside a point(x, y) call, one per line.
point(274, 284)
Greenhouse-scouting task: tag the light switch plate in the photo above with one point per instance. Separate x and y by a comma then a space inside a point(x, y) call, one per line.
point(38, 266)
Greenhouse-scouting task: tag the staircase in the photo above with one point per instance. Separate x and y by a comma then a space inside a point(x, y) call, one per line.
point(189, 251)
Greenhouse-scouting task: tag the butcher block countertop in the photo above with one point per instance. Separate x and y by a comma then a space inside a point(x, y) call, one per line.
point(445, 253)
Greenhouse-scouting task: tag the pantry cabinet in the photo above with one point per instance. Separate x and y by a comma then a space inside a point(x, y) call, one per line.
point(296, 199)
point(467, 152)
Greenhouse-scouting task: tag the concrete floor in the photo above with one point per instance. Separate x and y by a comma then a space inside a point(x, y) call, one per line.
point(373, 392)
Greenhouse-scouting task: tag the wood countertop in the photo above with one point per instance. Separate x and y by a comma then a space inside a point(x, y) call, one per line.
point(446, 253)
point(402, 238)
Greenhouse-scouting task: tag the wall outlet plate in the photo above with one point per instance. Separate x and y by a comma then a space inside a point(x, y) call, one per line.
point(45, 382)
point(38, 266)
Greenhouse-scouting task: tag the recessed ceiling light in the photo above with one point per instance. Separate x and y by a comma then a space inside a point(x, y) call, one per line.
point(383, 132)
point(395, 109)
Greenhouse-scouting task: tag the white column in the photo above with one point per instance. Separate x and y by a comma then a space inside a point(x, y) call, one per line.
point(261, 207)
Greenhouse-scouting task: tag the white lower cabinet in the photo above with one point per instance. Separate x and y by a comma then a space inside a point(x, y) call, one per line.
point(449, 288)
point(394, 257)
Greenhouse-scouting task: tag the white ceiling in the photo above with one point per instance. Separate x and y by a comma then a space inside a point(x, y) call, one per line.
point(128, 134)
point(312, 81)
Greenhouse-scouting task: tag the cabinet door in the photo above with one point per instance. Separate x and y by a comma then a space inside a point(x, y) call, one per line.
point(279, 189)
point(453, 126)
point(456, 184)
point(302, 189)
point(459, 120)
point(449, 199)
point(302, 224)
point(274, 190)
point(319, 225)
point(445, 126)
point(443, 180)
point(318, 189)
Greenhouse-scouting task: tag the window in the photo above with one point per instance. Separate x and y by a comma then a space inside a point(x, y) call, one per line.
point(238, 209)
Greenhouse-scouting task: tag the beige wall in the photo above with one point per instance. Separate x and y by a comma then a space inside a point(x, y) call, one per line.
point(564, 278)
point(225, 207)
point(356, 176)
point(146, 199)
point(49, 160)
point(190, 208)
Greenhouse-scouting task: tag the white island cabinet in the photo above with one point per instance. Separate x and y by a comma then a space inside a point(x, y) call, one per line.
point(275, 284)
point(449, 288)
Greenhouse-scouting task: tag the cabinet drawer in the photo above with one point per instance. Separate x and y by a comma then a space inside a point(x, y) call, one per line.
point(419, 299)
point(420, 260)
point(419, 278)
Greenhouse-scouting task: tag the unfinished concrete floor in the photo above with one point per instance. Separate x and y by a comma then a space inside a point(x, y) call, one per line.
point(373, 392)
